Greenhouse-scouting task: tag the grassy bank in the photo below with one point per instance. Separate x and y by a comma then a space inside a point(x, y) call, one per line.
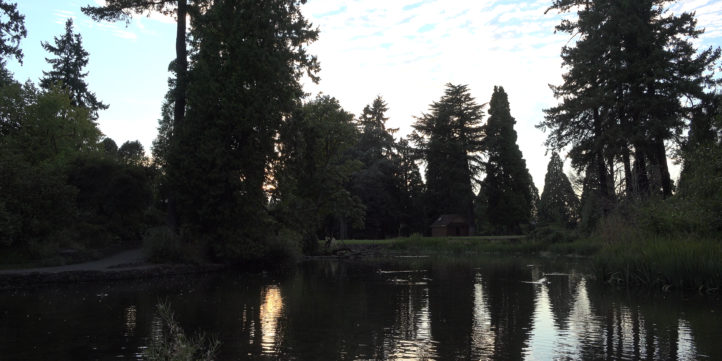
point(625, 256)
point(475, 245)
point(448, 245)
point(687, 263)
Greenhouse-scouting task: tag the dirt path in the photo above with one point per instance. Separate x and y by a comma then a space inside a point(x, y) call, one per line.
point(132, 259)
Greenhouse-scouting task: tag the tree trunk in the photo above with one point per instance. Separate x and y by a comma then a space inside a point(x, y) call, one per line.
point(640, 166)
point(181, 69)
point(628, 182)
point(600, 164)
point(661, 154)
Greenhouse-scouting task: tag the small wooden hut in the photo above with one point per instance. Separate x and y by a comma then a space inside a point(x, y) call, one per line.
point(450, 225)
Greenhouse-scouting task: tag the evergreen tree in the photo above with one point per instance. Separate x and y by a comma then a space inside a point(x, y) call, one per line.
point(621, 99)
point(558, 203)
point(376, 142)
point(701, 178)
point(12, 30)
point(375, 183)
point(449, 139)
point(411, 190)
point(579, 121)
point(508, 187)
point(162, 142)
point(248, 58)
point(67, 70)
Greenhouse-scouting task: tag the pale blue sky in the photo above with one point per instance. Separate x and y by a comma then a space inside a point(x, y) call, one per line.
point(403, 50)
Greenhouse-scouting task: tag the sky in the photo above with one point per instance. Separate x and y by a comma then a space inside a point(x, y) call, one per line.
point(403, 50)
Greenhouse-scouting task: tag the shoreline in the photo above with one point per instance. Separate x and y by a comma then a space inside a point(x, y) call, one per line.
point(9, 281)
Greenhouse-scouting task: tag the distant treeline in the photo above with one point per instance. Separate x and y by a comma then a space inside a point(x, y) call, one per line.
point(246, 167)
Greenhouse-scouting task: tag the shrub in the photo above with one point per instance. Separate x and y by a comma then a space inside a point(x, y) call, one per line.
point(284, 247)
point(111, 195)
point(36, 206)
point(163, 246)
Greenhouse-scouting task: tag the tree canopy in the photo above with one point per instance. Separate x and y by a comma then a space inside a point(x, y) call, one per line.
point(240, 90)
point(558, 203)
point(314, 167)
point(449, 137)
point(12, 31)
point(67, 70)
point(508, 188)
point(629, 71)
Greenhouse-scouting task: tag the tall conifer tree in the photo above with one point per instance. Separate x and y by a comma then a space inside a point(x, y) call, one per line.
point(67, 70)
point(558, 203)
point(508, 187)
point(11, 32)
point(248, 59)
point(449, 139)
point(621, 100)
point(375, 183)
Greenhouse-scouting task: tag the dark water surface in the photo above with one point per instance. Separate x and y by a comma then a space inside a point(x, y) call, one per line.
point(423, 308)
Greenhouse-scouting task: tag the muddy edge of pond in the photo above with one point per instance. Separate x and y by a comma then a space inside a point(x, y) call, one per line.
point(22, 280)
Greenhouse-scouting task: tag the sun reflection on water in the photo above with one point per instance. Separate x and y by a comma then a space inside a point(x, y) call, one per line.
point(482, 336)
point(270, 312)
point(130, 320)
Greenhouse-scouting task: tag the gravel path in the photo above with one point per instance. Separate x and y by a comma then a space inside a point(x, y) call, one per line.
point(133, 259)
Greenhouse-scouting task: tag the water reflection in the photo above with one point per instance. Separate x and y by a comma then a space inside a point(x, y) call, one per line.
point(270, 313)
point(410, 336)
point(480, 309)
point(482, 335)
point(130, 320)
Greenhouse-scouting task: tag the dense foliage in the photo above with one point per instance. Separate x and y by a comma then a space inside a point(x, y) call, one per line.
point(315, 166)
point(240, 90)
point(61, 186)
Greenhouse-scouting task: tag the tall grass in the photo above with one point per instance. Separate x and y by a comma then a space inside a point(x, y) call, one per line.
point(170, 343)
point(685, 263)
point(658, 244)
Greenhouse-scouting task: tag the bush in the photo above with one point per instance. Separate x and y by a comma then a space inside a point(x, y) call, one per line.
point(36, 205)
point(163, 246)
point(111, 195)
point(552, 233)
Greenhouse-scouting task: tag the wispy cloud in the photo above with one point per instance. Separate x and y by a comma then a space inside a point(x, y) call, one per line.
point(708, 13)
point(61, 16)
point(407, 50)
point(117, 30)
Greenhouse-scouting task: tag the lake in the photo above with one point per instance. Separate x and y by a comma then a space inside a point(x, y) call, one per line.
point(483, 308)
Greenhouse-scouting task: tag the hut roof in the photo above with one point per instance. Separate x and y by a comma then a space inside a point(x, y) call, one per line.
point(447, 219)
